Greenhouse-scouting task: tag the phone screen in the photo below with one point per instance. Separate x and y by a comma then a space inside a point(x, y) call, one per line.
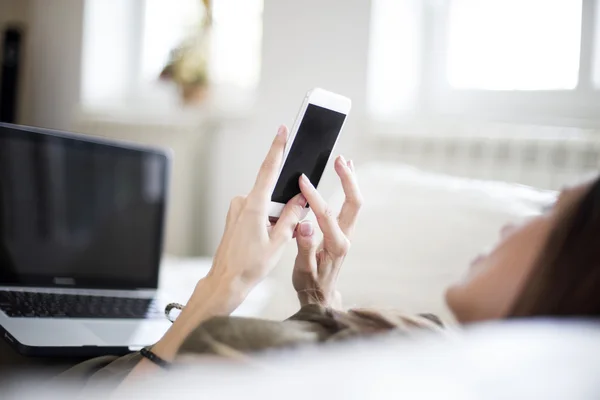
point(310, 151)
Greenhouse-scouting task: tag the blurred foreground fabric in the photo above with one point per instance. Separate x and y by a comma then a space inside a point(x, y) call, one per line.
point(509, 360)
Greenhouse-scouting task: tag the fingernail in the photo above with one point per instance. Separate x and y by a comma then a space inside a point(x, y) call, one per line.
point(306, 228)
point(281, 131)
point(343, 160)
point(301, 200)
point(305, 179)
point(351, 165)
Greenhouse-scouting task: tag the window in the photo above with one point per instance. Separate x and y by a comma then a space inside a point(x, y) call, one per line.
point(127, 43)
point(513, 44)
point(235, 37)
point(394, 56)
point(524, 59)
point(165, 24)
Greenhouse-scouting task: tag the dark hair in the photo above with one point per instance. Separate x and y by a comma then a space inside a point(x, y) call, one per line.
point(565, 282)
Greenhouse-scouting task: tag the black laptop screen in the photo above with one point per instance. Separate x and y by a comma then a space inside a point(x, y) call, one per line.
point(79, 212)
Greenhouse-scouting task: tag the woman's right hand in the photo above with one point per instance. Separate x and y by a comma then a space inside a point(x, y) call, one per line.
point(250, 248)
point(318, 265)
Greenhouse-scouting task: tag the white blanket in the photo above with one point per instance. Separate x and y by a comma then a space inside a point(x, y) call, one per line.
point(417, 233)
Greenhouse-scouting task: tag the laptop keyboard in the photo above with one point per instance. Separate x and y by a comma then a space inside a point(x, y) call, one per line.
point(54, 305)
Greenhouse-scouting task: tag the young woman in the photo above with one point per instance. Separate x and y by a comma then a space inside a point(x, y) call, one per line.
point(546, 267)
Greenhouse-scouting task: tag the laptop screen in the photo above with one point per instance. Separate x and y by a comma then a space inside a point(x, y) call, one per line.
point(79, 212)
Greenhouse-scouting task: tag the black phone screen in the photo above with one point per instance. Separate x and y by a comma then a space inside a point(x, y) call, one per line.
point(310, 151)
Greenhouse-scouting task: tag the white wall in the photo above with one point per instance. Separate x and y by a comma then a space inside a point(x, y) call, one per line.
point(55, 30)
point(13, 11)
point(306, 44)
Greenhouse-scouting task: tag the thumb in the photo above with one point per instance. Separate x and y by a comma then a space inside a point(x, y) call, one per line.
point(307, 245)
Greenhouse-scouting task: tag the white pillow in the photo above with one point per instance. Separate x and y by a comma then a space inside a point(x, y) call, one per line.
point(416, 234)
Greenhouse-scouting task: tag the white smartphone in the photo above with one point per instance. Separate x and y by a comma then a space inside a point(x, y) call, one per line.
point(311, 142)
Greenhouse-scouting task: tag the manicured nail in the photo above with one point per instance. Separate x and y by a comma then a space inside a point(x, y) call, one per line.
point(305, 179)
point(301, 200)
point(281, 131)
point(306, 228)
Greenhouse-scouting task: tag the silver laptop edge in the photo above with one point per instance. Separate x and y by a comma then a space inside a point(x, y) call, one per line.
point(82, 336)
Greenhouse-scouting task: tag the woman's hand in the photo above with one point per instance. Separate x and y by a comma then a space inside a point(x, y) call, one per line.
point(249, 250)
point(318, 265)
point(251, 246)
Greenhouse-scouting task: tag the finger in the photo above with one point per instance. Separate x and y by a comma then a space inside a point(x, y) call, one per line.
point(235, 207)
point(288, 220)
point(269, 170)
point(307, 248)
point(351, 165)
point(332, 234)
point(353, 201)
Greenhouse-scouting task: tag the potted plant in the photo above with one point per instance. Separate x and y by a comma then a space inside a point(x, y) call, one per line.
point(188, 63)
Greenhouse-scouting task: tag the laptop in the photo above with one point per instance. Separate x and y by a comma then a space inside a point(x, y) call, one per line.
point(81, 230)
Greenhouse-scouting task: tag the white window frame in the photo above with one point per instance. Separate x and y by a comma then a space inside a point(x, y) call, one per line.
point(574, 107)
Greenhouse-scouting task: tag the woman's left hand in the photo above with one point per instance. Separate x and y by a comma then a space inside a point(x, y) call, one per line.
point(318, 265)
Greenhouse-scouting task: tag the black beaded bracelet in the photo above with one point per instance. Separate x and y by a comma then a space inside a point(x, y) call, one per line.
point(154, 358)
